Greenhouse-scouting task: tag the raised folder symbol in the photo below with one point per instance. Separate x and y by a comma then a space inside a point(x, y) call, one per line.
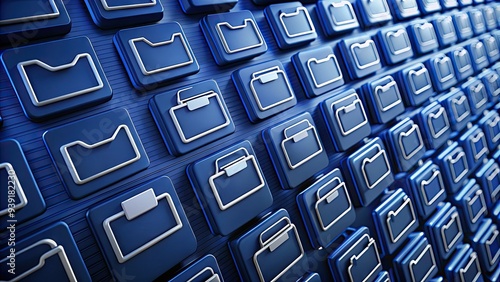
point(28, 17)
point(23, 201)
point(324, 71)
point(63, 75)
point(270, 88)
point(364, 264)
point(206, 272)
point(296, 22)
point(98, 161)
point(134, 207)
point(238, 38)
point(375, 168)
point(145, 3)
point(301, 143)
point(242, 173)
point(171, 58)
point(333, 204)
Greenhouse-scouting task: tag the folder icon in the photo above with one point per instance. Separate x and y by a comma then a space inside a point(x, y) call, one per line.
point(169, 55)
point(460, 108)
point(365, 54)
point(324, 71)
point(198, 115)
point(425, 260)
point(270, 88)
point(444, 68)
point(425, 34)
point(363, 265)
point(463, 61)
point(53, 260)
point(399, 221)
point(472, 270)
point(240, 37)
point(342, 13)
point(398, 41)
point(438, 123)
point(377, 9)
point(144, 4)
point(490, 244)
point(419, 80)
point(136, 207)
point(375, 168)
point(208, 274)
point(387, 95)
point(407, 6)
point(13, 180)
point(86, 162)
point(29, 17)
point(478, 93)
point(494, 128)
point(410, 142)
point(478, 145)
point(280, 249)
point(478, 52)
point(491, 46)
point(458, 166)
point(301, 143)
point(445, 27)
point(236, 180)
point(493, 182)
point(296, 22)
point(463, 23)
point(493, 83)
point(451, 230)
point(349, 113)
point(332, 203)
point(476, 206)
point(67, 80)
point(431, 189)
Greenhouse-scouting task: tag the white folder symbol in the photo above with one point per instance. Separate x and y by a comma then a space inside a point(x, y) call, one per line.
point(392, 217)
point(367, 45)
point(416, 73)
point(434, 116)
point(298, 11)
point(138, 58)
point(333, 61)
point(462, 101)
point(381, 89)
point(17, 186)
point(442, 61)
point(72, 168)
point(355, 258)
point(405, 134)
point(246, 23)
point(454, 219)
point(55, 250)
point(414, 262)
point(214, 277)
point(452, 161)
point(31, 92)
point(391, 35)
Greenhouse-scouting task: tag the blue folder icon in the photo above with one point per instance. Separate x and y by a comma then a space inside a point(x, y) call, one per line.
point(400, 220)
point(410, 142)
point(113, 7)
point(296, 22)
point(375, 168)
point(100, 157)
point(151, 65)
point(301, 143)
point(36, 75)
point(270, 88)
point(205, 108)
point(238, 38)
point(12, 178)
point(25, 14)
point(432, 188)
point(324, 71)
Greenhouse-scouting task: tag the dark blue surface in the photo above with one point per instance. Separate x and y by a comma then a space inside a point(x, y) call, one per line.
point(60, 207)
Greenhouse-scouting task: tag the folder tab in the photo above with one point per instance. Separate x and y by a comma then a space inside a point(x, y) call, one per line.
point(51, 252)
point(49, 82)
point(477, 95)
point(191, 116)
point(129, 233)
point(230, 187)
point(326, 208)
point(205, 269)
point(233, 36)
point(478, 54)
point(291, 24)
point(475, 146)
point(155, 54)
point(357, 258)
point(108, 14)
point(464, 265)
point(270, 250)
point(295, 149)
point(86, 154)
point(318, 70)
point(486, 241)
point(16, 176)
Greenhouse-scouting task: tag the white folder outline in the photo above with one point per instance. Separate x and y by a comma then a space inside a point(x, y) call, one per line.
point(213, 278)
point(385, 88)
point(395, 34)
point(425, 182)
point(479, 46)
point(492, 258)
point(421, 27)
point(474, 139)
point(230, 169)
point(491, 124)
point(298, 10)
point(231, 27)
point(401, 135)
point(366, 160)
point(444, 60)
point(297, 137)
point(392, 214)
point(405, 12)
point(475, 90)
point(71, 166)
point(321, 61)
point(31, 92)
point(447, 20)
point(129, 6)
point(347, 109)
point(493, 79)
point(461, 101)
point(371, 243)
point(111, 236)
point(491, 45)
point(339, 4)
point(415, 261)
point(422, 71)
point(266, 73)
point(55, 249)
point(54, 14)
point(277, 239)
point(23, 201)
point(478, 196)
point(463, 270)
point(366, 44)
point(452, 161)
point(494, 190)
point(460, 53)
point(385, 14)
point(453, 218)
point(435, 115)
point(161, 43)
point(329, 197)
point(193, 103)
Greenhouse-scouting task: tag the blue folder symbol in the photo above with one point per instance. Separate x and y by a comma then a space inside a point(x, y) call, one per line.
point(333, 204)
point(324, 71)
point(53, 260)
point(205, 110)
point(12, 8)
point(279, 251)
point(237, 180)
point(170, 57)
point(399, 221)
point(270, 88)
point(410, 142)
point(240, 37)
point(296, 22)
point(375, 168)
point(23, 201)
point(432, 188)
point(301, 143)
point(362, 265)
point(134, 207)
point(87, 162)
point(42, 80)
point(109, 7)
